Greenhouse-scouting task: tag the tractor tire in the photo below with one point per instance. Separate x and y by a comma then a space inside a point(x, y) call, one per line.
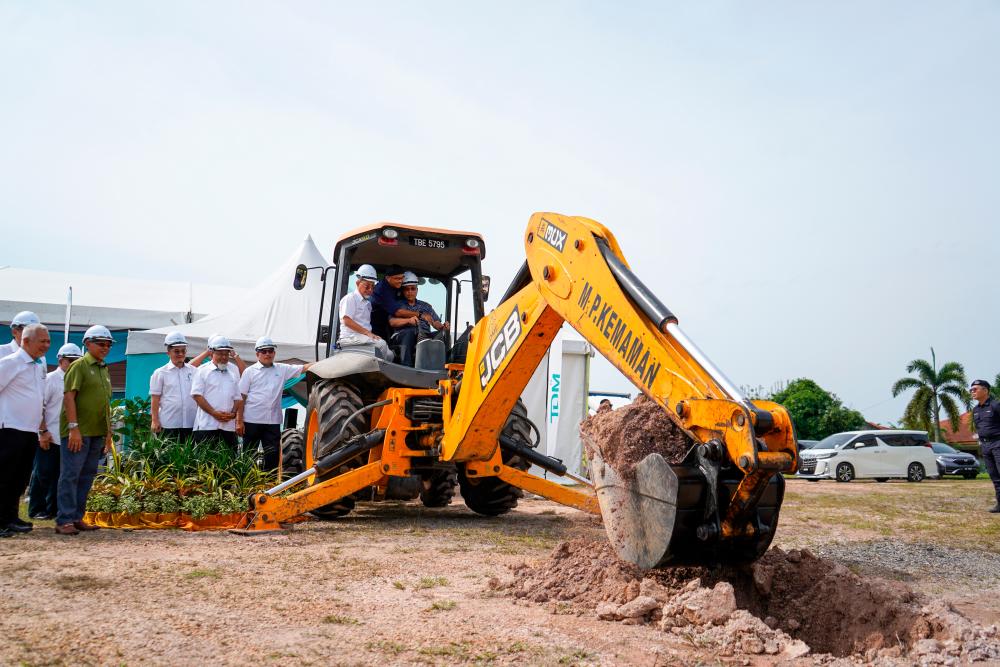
point(293, 453)
point(491, 496)
point(439, 489)
point(334, 401)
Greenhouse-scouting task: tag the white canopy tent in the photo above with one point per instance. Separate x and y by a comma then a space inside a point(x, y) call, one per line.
point(273, 308)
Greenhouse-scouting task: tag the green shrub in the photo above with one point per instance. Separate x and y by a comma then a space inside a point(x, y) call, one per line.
point(200, 506)
point(130, 502)
point(102, 502)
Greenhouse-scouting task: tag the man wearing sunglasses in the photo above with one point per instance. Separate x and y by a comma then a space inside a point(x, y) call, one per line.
point(259, 415)
point(85, 427)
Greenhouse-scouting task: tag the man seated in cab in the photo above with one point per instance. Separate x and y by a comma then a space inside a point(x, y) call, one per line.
point(356, 314)
point(414, 321)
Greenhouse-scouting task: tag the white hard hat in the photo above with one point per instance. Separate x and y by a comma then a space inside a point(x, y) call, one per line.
point(410, 278)
point(69, 350)
point(97, 332)
point(24, 318)
point(264, 342)
point(219, 343)
point(175, 338)
point(366, 272)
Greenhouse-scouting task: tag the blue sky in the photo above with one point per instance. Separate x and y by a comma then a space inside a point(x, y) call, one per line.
point(811, 187)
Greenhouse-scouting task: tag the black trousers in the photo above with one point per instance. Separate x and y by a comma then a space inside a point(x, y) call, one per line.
point(177, 434)
point(227, 438)
point(267, 435)
point(44, 482)
point(17, 455)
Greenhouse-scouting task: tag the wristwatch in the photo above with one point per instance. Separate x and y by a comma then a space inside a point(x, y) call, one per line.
point(72, 425)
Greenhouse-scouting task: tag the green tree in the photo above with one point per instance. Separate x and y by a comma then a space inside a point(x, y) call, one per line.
point(816, 412)
point(935, 389)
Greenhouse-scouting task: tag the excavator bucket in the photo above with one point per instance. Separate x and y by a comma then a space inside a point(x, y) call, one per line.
point(639, 513)
point(661, 514)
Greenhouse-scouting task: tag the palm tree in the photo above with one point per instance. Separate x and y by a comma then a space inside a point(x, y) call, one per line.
point(935, 389)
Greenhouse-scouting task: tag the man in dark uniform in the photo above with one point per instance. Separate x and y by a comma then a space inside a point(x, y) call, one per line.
point(986, 415)
point(384, 300)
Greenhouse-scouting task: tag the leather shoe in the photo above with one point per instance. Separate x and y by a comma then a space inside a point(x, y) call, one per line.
point(81, 526)
point(18, 528)
point(5, 533)
point(995, 509)
point(67, 529)
point(21, 522)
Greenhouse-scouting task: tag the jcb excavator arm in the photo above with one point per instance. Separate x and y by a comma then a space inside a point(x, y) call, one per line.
point(576, 273)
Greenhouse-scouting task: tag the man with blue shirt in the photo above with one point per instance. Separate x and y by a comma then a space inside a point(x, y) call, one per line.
point(385, 299)
point(986, 415)
point(414, 320)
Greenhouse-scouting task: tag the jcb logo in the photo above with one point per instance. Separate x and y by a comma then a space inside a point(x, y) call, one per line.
point(499, 348)
point(552, 235)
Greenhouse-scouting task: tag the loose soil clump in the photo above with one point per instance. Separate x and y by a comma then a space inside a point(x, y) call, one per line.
point(625, 436)
point(786, 605)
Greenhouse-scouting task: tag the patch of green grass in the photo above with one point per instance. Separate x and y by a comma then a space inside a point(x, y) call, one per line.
point(399, 584)
point(442, 605)
point(458, 650)
point(575, 658)
point(202, 574)
point(338, 619)
point(430, 582)
point(386, 646)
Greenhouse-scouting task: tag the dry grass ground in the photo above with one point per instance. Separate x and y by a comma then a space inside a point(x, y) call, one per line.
point(399, 584)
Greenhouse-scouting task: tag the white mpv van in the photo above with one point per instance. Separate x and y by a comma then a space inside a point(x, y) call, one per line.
point(880, 455)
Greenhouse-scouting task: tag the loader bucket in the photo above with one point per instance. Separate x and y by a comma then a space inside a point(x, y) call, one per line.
point(652, 517)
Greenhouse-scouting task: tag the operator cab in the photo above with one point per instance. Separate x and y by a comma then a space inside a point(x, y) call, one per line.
point(448, 264)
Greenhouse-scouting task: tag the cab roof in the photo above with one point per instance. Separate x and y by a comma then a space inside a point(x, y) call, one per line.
point(414, 248)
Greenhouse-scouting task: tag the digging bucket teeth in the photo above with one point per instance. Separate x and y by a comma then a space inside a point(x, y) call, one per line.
point(662, 515)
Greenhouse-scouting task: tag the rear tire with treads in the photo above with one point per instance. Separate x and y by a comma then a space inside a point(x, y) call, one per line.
point(331, 404)
point(491, 496)
point(293, 453)
point(439, 489)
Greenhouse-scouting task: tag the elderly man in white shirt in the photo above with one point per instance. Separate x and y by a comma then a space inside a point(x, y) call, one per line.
point(172, 407)
point(44, 487)
point(215, 388)
point(261, 386)
point(356, 314)
point(21, 320)
point(22, 397)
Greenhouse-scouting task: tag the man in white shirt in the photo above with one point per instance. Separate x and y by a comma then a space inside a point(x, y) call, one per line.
point(22, 396)
point(215, 388)
point(21, 320)
point(261, 386)
point(356, 314)
point(171, 405)
point(42, 493)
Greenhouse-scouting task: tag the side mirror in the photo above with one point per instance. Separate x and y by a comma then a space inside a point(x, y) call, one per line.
point(301, 273)
point(485, 286)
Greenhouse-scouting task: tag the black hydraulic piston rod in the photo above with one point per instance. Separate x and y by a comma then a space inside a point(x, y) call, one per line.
point(356, 446)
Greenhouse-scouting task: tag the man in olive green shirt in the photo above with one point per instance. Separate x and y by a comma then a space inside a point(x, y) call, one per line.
point(85, 428)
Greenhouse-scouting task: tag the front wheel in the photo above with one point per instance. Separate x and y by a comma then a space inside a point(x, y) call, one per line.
point(845, 472)
point(915, 473)
point(491, 496)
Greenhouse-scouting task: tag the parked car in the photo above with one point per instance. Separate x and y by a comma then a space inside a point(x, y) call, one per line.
point(807, 444)
point(880, 455)
point(950, 461)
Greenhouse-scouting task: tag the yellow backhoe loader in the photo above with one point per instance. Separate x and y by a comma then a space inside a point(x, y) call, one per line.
point(376, 429)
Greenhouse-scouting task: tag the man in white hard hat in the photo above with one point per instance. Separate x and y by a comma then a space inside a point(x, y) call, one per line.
point(414, 320)
point(22, 396)
point(215, 388)
point(356, 314)
point(261, 386)
point(45, 474)
point(171, 405)
point(21, 320)
point(85, 428)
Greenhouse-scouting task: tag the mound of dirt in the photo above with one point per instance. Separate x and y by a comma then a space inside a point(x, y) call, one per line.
point(785, 605)
point(625, 436)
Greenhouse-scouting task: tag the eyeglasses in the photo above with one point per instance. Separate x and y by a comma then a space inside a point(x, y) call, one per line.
point(102, 343)
point(270, 350)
